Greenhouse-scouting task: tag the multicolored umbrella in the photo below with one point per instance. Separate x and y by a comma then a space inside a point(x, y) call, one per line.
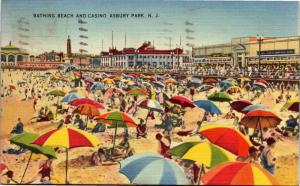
point(208, 106)
point(87, 109)
point(152, 169)
point(68, 138)
point(116, 119)
point(227, 138)
point(220, 97)
point(25, 140)
point(86, 101)
point(151, 104)
point(260, 85)
point(254, 107)
point(238, 173)
point(262, 81)
point(202, 153)
point(240, 105)
point(137, 92)
point(205, 87)
point(183, 101)
point(71, 97)
point(292, 105)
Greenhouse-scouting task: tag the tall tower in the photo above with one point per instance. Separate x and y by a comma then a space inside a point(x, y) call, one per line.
point(69, 51)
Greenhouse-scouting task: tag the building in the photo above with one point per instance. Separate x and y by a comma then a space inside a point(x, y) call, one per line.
point(245, 51)
point(11, 55)
point(144, 56)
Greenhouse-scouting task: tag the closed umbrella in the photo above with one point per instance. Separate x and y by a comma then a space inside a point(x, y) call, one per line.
point(152, 169)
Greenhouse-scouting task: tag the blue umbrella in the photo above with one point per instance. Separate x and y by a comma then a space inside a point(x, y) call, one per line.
point(98, 86)
point(208, 106)
point(152, 169)
point(254, 107)
point(70, 97)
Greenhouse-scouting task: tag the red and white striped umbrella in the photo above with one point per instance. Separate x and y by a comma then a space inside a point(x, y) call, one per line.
point(151, 104)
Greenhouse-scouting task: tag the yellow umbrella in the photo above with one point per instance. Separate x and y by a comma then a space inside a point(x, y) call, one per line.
point(287, 106)
point(244, 79)
point(108, 81)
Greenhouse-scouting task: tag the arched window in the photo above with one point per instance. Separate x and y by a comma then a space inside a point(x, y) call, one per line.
point(19, 58)
point(3, 58)
point(11, 58)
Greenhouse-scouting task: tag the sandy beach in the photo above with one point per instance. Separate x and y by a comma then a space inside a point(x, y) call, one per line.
point(80, 170)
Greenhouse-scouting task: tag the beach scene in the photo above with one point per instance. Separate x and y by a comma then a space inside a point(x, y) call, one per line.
point(149, 92)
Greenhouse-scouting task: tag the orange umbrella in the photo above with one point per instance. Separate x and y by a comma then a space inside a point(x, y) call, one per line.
point(238, 173)
point(170, 81)
point(13, 87)
point(227, 138)
point(87, 109)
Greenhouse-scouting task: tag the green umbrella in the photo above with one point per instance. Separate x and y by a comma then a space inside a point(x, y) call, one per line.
point(56, 93)
point(24, 141)
point(220, 97)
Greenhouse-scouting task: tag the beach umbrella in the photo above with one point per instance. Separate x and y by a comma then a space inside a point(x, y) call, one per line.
point(98, 86)
point(205, 87)
point(87, 109)
point(13, 87)
point(70, 97)
point(88, 101)
point(254, 107)
point(183, 101)
point(56, 93)
point(202, 153)
point(228, 138)
point(260, 85)
point(261, 81)
point(208, 106)
point(116, 120)
point(195, 82)
point(234, 89)
point(25, 140)
point(151, 104)
point(240, 105)
point(210, 80)
point(80, 91)
point(137, 92)
point(114, 91)
point(238, 173)
point(259, 119)
point(244, 79)
point(159, 84)
point(170, 81)
point(2, 167)
point(152, 169)
point(292, 105)
point(220, 97)
point(108, 81)
point(226, 83)
point(89, 80)
point(68, 138)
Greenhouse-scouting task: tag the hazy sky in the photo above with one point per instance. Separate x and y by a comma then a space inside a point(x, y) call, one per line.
point(197, 22)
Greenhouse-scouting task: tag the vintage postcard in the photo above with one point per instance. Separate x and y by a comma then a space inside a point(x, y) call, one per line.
point(149, 92)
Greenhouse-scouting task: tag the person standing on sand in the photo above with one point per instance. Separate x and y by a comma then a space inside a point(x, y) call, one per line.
point(267, 158)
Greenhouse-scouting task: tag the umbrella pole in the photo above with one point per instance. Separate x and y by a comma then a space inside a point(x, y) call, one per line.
point(202, 171)
point(26, 168)
point(66, 181)
point(261, 136)
point(114, 141)
point(56, 106)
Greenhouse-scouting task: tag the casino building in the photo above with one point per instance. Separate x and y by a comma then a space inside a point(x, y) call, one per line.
point(11, 55)
point(244, 51)
point(144, 56)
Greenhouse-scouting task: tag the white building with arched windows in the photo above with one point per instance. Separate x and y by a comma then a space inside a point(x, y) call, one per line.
point(11, 55)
